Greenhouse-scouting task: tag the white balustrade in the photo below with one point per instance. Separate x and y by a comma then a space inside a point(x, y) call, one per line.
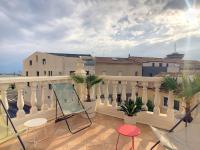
point(114, 103)
point(133, 90)
point(98, 93)
point(124, 84)
point(44, 96)
point(33, 97)
point(156, 109)
point(144, 95)
point(106, 93)
point(170, 108)
point(4, 88)
point(20, 100)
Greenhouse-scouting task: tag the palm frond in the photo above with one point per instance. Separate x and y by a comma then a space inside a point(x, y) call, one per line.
point(78, 78)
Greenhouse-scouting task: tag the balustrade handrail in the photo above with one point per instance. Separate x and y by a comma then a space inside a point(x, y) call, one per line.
point(132, 78)
point(5, 80)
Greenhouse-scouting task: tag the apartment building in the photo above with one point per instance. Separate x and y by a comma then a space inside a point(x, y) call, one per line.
point(117, 66)
point(55, 64)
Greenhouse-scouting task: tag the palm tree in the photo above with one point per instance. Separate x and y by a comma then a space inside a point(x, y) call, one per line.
point(170, 84)
point(186, 90)
point(89, 81)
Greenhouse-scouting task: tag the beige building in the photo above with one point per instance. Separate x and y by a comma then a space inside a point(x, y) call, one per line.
point(55, 64)
point(117, 66)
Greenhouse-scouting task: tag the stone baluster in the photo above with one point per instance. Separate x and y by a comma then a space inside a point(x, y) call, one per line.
point(53, 99)
point(106, 93)
point(4, 88)
point(182, 105)
point(99, 93)
point(170, 108)
point(144, 95)
point(156, 109)
point(92, 93)
point(20, 100)
point(114, 103)
point(44, 96)
point(133, 91)
point(124, 83)
point(33, 97)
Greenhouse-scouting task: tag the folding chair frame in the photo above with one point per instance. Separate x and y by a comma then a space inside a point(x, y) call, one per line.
point(9, 119)
point(172, 129)
point(65, 117)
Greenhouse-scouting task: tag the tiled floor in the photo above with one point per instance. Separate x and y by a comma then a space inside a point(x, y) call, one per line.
point(100, 136)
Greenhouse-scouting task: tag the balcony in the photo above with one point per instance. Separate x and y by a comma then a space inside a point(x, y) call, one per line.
point(102, 134)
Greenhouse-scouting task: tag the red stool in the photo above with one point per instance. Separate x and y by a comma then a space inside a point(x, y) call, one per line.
point(128, 130)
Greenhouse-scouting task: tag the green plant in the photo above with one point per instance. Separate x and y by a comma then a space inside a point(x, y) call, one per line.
point(139, 103)
point(89, 81)
point(169, 84)
point(129, 107)
point(186, 90)
point(150, 105)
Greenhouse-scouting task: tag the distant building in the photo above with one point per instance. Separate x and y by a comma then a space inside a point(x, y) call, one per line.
point(55, 64)
point(152, 66)
point(117, 66)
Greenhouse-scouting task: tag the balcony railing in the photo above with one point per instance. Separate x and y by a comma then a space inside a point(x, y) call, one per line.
point(41, 98)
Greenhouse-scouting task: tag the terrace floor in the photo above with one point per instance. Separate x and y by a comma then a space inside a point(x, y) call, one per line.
point(100, 136)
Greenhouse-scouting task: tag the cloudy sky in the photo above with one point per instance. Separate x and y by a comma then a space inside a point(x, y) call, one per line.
point(100, 27)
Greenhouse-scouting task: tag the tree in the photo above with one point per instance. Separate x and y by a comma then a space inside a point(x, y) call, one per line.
point(89, 81)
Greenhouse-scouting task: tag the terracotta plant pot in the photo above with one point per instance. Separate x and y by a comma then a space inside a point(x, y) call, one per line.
point(129, 119)
point(91, 109)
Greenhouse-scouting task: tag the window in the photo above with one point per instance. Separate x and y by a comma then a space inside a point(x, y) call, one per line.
point(30, 63)
point(36, 58)
point(176, 104)
point(38, 73)
point(28, 84)
point(43, 61)
point(50, 73)
point(165, 101)
point(153, 64)
point(136, 73)
point(167, 65)
point(26, 73)
point(160, 64)
point(72, 72)
point(45, 73)
point(87, 72)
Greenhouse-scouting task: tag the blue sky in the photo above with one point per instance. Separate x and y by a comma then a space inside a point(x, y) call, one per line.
point(100, 27)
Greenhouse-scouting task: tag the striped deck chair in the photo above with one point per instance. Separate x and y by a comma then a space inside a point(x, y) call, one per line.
point(8, 131)
point(68, 101)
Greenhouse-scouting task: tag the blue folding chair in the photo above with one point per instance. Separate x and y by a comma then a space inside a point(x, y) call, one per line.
point(69, 102)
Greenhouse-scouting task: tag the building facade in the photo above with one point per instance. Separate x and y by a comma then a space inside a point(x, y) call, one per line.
point(117, 66)
point(56, 64)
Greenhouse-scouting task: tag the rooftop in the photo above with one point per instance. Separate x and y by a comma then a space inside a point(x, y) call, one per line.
point(69, 55)
point(116, 60)
point(100, 136)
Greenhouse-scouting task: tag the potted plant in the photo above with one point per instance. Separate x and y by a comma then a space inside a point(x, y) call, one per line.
point(130, 110)
point(186, 90)
point(89, 81)
point(170, 84)
point(150, 105)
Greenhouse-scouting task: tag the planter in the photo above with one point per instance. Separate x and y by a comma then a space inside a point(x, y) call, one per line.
point(91, 109)
point(129, 119)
